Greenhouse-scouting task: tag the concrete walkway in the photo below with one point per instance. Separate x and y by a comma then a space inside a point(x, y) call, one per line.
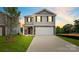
point(51, 44)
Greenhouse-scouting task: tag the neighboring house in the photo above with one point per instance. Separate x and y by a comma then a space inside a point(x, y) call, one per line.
point(40, 23)
point(4, 23)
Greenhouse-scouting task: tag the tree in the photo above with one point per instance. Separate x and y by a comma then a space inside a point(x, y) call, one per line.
point(76, 26)
point(58, 30)
point(14, 14)
point(68, 28)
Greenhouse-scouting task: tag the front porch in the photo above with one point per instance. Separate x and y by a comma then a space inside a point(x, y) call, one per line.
point(29, 30)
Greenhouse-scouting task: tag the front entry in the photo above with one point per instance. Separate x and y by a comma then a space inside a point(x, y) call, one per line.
point(29, 30)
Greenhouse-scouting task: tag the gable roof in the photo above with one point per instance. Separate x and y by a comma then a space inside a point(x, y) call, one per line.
point(28, 16)
point(45, 10)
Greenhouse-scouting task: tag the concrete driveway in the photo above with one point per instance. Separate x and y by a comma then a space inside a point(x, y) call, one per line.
point(51, 44)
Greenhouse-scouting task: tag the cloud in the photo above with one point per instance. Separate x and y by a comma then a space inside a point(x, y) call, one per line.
point(64, 15)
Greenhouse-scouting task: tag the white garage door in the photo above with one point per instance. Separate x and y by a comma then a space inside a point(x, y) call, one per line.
point(44, 31)
point(0, 31)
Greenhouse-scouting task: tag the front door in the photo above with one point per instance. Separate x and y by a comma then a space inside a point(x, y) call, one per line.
point(30, 29)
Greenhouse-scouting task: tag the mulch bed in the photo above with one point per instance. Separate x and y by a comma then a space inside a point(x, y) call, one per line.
point(75, 36)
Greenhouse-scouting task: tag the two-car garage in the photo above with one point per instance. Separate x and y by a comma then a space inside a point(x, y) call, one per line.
point(44, 31)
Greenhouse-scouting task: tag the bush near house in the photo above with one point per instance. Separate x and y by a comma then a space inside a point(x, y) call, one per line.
point(18, 43)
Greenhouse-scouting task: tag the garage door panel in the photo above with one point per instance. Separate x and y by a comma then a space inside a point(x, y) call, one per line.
point(44, 31)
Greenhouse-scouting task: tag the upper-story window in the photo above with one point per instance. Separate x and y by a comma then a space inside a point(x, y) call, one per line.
point(49, 18)
point(29, 19)
point(38, 18)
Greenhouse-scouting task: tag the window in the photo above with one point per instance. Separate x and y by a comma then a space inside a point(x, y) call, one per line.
point(38, 19)
point(29, 19)
point(50, 19)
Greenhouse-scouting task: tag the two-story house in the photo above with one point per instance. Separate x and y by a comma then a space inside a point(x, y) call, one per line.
point(4, 25)
point(40, 23)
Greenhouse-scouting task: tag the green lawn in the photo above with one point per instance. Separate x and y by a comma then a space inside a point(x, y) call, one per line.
point(73, 41)
point(20, 43)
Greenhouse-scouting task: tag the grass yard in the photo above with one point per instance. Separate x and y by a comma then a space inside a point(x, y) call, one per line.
point(73, 41)
point(20, 43)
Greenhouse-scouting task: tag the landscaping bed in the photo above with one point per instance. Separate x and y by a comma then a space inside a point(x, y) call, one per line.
point(18, 43)
point(74, 36)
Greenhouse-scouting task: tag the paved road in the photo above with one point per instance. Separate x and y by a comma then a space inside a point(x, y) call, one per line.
point(51, 44)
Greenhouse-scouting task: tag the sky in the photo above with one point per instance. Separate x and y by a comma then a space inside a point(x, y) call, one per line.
point(64, 15)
